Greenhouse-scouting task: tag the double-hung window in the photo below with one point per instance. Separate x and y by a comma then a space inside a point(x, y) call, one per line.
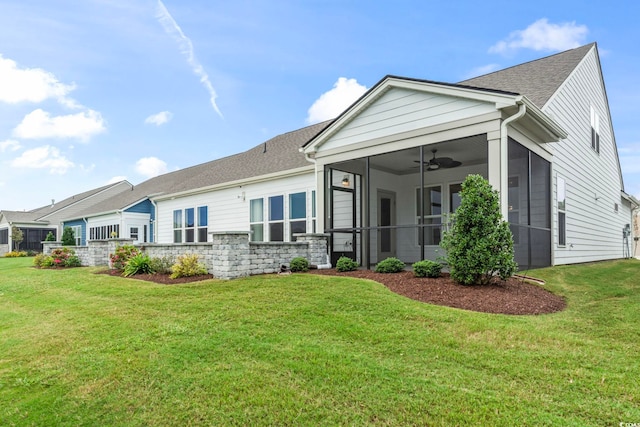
point(177, 226)
point(561, 191)
point(203, 222)
point(77, 234)
point(189, 225)
point(297, 214)
point(276, 219)
point(256, 219)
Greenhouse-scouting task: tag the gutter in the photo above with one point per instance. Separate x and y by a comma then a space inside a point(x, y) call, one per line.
point(504, 158)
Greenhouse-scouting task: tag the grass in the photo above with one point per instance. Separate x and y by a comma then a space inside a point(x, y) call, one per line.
point(83, 349)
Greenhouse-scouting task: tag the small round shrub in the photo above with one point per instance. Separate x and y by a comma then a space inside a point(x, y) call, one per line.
point(187, 266)
point(299, 264)
point(39, 259)
point(122, 255)
point(72, 261)
point(162, 265)
point(427, 268)
point(390, 265)
point(346, 264)
point(138, 264)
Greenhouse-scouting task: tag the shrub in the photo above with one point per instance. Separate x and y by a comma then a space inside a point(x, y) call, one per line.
point(161, 265)
point(427, 268)
point(299, 264)
point(15, 254)
point(479, 244)
point(50, 237)
point(346, 264)
point(390, 265)
point(138, 264)
point(68, 237)
point(122, 255)
point(188, 265)
point(39, 260)
point(60, 257)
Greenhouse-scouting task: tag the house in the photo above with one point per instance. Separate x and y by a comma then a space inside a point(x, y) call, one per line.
point(383, 177)
point(189, 203)
point(37, 223)
point(540, 132)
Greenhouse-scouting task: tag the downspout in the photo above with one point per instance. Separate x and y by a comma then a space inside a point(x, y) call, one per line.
point(154, 222)
point(504, 159)
point(86, 230)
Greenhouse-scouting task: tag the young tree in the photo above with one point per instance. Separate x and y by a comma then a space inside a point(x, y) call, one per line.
point(50, 237)
point(479, 244)
point(17, 237)
point(68, 237)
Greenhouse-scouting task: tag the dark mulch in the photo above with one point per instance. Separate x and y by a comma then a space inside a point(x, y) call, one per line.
point(163, 279)
point(513, 296)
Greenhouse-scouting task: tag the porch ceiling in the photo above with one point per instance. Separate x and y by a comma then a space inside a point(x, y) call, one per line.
point(469, 151)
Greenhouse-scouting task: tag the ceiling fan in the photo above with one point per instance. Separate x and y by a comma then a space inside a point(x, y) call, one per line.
point(439, 162)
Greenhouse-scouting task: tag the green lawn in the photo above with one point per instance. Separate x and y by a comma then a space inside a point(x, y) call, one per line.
point(83, 349)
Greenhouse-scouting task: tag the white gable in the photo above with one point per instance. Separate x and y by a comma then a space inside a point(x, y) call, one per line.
point(400, 110)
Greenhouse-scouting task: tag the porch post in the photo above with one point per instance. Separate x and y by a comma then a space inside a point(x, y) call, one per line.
point(498, 168)
point(320, 198)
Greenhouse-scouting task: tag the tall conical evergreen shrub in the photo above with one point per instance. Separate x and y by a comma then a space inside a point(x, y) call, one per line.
point(479, 243)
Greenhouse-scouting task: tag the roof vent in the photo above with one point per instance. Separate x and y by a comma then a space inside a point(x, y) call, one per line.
point(53, 202)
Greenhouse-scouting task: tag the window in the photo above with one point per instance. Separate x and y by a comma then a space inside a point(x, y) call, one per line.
point(133, 233)
point(276, 219)
point(297, 214)
point(203, 222)
point(177, 226)
point(189, 225)
point(562, 221)
point(104, 232)
point(313, 211)
point(595, 130)
point(184, 225)
point(432, 218)
point(4, 236)
point(256, 220)
point(454, 197)
point(77, 234)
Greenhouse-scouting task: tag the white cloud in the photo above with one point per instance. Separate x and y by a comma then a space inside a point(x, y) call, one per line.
point(31, 85)
point(39, 124)
point(333, 102)
point(46, 157)
point(482, 70)
point(159, 119)
point(186, 47)
point(543, 36)
point(9, 145)
point(150, 167)
point(117, 179)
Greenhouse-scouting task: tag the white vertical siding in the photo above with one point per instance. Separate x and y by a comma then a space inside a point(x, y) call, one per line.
point(593, 182)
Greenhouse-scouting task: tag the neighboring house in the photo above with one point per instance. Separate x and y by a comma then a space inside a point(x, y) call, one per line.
point(274, 178)
point(382, 178)
point(36, 224)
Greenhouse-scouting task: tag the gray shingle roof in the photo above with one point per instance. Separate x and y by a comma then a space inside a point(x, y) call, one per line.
point(538, 80)
point(278, 154)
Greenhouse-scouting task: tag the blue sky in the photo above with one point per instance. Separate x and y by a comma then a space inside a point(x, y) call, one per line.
point(95, 91)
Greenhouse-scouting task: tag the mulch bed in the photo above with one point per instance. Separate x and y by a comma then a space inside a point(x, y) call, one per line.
point(163, 279)
point(513, 296)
